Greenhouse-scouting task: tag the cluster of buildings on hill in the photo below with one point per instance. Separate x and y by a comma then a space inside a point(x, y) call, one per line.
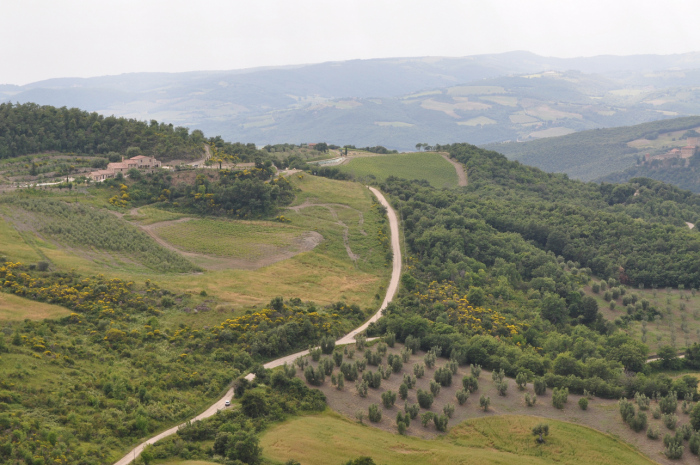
point(140, 162)
point(684, 153)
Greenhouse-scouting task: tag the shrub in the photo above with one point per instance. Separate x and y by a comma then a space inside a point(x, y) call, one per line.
point(434, 387)
point(388, 399)
point(497, 376)
point(361, 365)
point(449, 410)
point(315, 354)
point(409, 381)
point(381, 349)
point(385, 371)
point(390, 339)
point(626, 410)
point(656, 412)
point(462, 396)
point(440, 422)
point(395, 363)
point(418, 370)
point(595, 288)
point(685, 431)
point(502, 387)
point(429, 359)
point(642, 401)
point(340, 383)
point(42, 266)
point(411, 410)
point(361, 387)
point(327, 366)
point(426, 418)
point(560, 397)
point(425, 398)
point(337, 358)
point(475, 370)
point(670, 421)
point(638, 422)
point(373, 358)
point(540, 430)
point(301, 362)
point(470, 383)
point(412, 343)
point(401, 427)
point(314, 377)
point(349, 371)
point(583, 403)
point(360, 415)
point(674, 451)
point(373, 379)
point(375, 415)
point(669, 403)
point(540, 386)
point(327, 345)
point(405, 354)
point(403, 391)
point(530, 400)
point(653, 432)
point(484, 402)
point(694, 443)
point(443, 376)
point(452, 365)
point(521, 380)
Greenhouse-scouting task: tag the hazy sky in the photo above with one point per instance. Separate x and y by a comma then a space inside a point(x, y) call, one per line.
point(41, 39)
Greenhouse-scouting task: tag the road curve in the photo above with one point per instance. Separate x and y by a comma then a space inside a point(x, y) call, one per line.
point(347, 339)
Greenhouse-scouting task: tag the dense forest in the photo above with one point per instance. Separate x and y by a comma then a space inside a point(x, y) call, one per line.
point(590, 154)
point(595, 225)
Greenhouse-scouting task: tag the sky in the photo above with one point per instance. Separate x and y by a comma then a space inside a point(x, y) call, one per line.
point(41, 39)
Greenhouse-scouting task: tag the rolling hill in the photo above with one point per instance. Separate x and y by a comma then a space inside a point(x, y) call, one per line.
point(597, 153)
point(395, 102)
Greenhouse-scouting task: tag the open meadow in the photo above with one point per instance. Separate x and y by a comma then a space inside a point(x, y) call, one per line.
point(429, 166)
point(331, 439)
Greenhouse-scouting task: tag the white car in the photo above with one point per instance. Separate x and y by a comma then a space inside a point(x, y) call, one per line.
point(227, 403)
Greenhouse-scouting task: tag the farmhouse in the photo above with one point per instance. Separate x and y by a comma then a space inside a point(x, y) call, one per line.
point(684, 153)
point(140, 162)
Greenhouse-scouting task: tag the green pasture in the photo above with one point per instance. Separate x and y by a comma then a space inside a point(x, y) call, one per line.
point(328, 438)
point(428, 166)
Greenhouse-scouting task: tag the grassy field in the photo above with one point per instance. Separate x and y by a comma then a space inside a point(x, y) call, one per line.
point(230, 238)
point(429, 166)
point(15, 308)
point(331, 439)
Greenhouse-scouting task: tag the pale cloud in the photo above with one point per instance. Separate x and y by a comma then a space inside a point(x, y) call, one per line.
point(44, 39)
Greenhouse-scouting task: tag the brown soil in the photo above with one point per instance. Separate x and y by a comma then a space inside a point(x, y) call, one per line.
point(602, 414)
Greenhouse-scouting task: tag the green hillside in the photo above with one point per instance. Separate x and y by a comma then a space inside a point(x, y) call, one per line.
point(591, 154)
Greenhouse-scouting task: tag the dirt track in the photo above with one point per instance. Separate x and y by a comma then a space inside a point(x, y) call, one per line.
point(347, 339)
point(461, 174)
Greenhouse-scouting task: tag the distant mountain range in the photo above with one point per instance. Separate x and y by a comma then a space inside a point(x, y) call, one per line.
point(395, 102)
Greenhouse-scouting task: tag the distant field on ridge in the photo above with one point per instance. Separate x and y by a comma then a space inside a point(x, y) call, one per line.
point(429, 166)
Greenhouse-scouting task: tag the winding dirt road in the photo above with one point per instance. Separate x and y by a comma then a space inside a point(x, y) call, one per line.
point(347, 339)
